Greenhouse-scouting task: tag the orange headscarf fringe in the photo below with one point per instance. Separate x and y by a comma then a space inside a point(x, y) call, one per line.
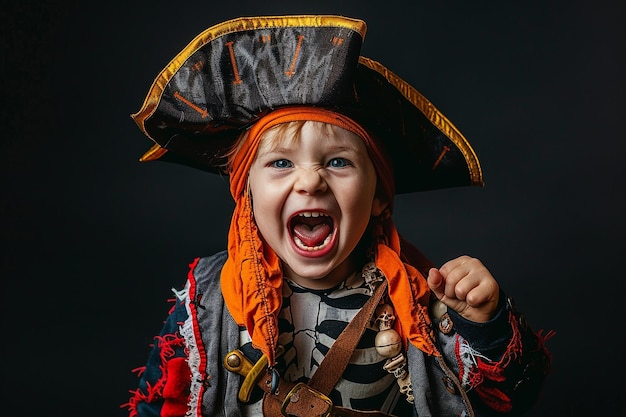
point(252, 279)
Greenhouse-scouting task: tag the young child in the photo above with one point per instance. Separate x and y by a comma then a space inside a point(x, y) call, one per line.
point(319, 307)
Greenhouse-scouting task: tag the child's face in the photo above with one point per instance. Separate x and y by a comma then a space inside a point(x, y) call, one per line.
point(312, 200)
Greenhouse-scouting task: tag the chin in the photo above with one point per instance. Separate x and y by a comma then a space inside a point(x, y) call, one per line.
point(317, 275)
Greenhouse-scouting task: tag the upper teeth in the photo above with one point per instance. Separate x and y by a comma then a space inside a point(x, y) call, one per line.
point(311, 214)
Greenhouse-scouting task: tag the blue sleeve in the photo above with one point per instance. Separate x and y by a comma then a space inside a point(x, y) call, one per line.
point(489, 338)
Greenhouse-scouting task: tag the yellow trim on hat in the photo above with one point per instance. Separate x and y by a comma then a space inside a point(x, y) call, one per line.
point(434, 115)
point(154, 153)
point(231, 26)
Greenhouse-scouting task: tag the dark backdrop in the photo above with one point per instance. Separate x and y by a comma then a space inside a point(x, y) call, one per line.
point(93, 240)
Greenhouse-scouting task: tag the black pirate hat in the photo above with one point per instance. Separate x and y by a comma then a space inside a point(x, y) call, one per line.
point(235, 72)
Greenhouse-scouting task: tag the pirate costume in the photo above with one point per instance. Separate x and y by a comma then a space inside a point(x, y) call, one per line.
point(235, 342)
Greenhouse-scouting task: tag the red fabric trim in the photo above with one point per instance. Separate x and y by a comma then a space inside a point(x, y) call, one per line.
point(488, 371)
point(193, 296)
point(136, 397)
point(495, 398)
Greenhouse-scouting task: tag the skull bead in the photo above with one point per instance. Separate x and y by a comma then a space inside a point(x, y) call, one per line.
point(384, 317)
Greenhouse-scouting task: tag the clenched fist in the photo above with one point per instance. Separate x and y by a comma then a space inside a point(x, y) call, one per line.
point(465, 285)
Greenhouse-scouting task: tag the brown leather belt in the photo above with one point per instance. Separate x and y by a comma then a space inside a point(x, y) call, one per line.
point(288, 399)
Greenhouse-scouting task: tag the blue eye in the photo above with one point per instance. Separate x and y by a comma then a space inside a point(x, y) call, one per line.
point(338, 163)
point(282, 164)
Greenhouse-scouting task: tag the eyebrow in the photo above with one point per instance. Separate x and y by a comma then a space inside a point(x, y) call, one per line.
point(340, 148)
point(274, 150)
point(279, 149)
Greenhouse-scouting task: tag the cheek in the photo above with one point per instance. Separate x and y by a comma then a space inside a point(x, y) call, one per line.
point(266, 204)
point(361, 200)
point(266, 217)
point(366, 195)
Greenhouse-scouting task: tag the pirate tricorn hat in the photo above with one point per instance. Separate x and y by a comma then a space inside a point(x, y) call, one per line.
point(235, 72)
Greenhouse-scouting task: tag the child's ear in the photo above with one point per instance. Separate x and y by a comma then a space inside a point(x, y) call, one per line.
point(378, 206)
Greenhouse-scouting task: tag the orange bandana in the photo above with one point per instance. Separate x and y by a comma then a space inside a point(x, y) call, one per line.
point(251, 279)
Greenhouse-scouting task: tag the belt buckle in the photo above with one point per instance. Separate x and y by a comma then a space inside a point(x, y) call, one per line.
point(302, 398)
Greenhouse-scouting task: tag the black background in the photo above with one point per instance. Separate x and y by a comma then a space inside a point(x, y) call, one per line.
point(93, 240)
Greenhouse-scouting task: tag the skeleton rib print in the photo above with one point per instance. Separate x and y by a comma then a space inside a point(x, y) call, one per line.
point(310, 321)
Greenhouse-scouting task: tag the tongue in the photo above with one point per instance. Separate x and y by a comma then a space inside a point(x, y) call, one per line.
point(312, 234)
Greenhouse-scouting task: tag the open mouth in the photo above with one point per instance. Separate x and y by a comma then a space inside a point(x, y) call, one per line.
point(311, 230)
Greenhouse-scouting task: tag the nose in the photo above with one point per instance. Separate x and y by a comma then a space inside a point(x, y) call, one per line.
point(310, 180)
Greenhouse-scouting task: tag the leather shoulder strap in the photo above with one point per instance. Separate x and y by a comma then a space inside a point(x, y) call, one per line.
point(334, 363)
point(311, 399)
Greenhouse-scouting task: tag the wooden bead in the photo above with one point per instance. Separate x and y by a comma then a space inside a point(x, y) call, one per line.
point(388, 343)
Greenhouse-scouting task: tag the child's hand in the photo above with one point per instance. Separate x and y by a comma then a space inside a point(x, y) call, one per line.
point(465, 285)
